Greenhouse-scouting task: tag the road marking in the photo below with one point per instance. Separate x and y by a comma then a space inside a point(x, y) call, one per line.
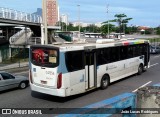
point(142, 86)
point(154, 64)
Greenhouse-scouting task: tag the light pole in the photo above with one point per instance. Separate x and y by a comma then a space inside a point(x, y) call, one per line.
point(79, 20)
point(108, 18)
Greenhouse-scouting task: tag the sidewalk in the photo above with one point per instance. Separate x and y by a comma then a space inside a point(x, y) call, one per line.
point(14, 65)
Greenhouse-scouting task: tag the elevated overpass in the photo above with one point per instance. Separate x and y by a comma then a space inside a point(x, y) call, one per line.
point(11, 16)
point(34, 22)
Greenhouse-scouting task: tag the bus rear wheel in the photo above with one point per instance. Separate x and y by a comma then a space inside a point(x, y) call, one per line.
point(104, 82)
point(140, 69)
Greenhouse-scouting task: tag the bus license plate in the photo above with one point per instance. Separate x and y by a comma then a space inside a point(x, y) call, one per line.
point(43, 82)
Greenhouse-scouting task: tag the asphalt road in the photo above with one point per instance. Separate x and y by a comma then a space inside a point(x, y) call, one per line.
point(17, 98)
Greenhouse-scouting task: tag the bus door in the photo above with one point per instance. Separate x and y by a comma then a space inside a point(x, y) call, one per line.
point(146, 51)
point(90, 69)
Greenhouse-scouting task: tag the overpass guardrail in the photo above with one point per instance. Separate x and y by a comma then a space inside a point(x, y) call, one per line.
point(12, 14)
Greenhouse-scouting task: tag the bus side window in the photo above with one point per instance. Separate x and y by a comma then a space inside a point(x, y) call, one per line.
point(114, 53)
point(103, 56)
point(74, 60)
point(130, 51)
point(136, 51)
point(123, 52)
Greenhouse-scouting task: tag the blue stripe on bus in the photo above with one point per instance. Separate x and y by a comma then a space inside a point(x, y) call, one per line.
point(62, 64)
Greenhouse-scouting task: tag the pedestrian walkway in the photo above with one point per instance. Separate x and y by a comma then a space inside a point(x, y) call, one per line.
point(14, 65)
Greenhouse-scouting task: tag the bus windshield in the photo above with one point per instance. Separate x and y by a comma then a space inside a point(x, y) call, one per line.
point(45, 57)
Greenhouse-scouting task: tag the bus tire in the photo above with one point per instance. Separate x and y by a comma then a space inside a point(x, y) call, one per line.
point(140, 69)
point(105, 82)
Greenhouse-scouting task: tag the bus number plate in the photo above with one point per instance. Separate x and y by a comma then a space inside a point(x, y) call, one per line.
point(43, 82)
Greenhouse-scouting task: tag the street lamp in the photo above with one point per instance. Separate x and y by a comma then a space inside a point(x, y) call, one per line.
point(108, 18)
point(79, 20)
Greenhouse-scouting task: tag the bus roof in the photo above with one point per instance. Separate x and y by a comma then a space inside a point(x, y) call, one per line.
point(100, 43)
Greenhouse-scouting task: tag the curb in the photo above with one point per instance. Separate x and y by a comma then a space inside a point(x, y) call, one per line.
point(13, 66)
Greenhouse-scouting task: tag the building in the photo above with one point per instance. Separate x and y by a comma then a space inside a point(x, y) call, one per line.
point(82, 24)
point(64, 19)
point(143, 28)
point(52, 12)
point(38, 12)
point(98, 24)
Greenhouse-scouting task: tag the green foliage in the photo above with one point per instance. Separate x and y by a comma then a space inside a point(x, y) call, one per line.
point(122, 21)
point(104, 28)
point(91, 28)
point(158, 31)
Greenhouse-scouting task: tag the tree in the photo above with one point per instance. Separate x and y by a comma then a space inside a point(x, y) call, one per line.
point(104, 28)
point(122, 21)
point(158, 30)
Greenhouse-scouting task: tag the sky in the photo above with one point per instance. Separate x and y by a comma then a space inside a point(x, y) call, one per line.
point(143, 12)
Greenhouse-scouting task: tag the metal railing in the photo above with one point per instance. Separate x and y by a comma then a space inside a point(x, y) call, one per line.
point(12, 14)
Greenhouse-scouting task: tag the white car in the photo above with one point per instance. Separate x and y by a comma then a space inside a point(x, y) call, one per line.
point(9, 81)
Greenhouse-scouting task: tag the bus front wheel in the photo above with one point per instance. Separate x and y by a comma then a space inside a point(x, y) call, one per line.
point(104, 82)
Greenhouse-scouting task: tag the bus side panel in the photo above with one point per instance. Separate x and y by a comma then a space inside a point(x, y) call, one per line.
point(132, 65)
point(77, 82)
point(114, 70)
point(65, 74)
point(72, 82)
point(66, 83)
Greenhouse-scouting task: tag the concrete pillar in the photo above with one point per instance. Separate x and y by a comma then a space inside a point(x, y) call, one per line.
point(7, 37)
point(26, 39)
point(50, 36)
point(3, 15)
point(16, 15)
point(44, 14)
point(148, 100)
point(30, 17)
point(42, 34)
point(10, 52)
point(10, 14)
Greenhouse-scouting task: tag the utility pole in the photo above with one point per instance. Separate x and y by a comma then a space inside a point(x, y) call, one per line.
point(79, 20)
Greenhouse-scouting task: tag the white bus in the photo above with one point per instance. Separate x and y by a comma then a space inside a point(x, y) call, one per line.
point(68, 69)
point(93, 35)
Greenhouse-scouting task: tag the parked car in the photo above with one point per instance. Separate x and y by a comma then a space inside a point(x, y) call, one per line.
point(9, 81)
point(154, 49)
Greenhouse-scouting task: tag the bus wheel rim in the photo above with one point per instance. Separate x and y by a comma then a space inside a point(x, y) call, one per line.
point(105, 83)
